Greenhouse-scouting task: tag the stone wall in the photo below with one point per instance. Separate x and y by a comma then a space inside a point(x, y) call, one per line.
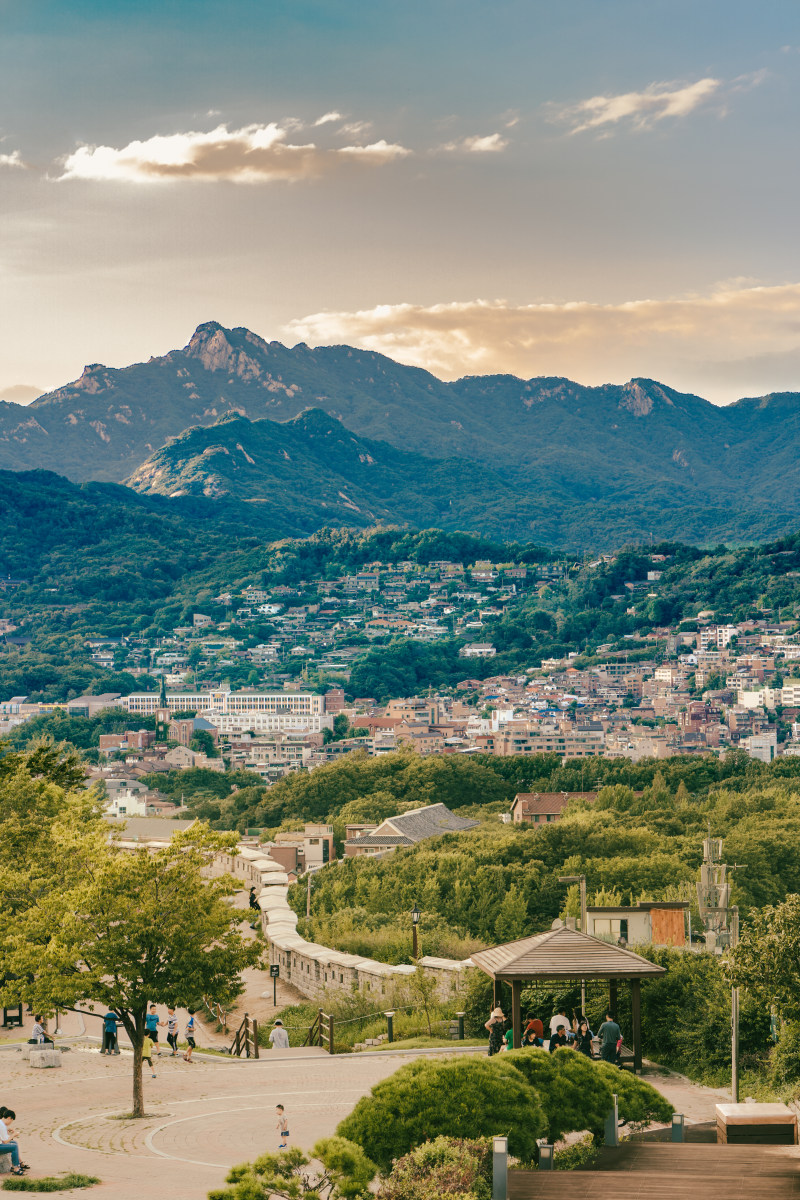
point(311, 968)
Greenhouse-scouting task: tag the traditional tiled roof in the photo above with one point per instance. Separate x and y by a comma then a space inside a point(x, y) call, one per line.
point(563, 954)
point(431, 821)
point(382, 839)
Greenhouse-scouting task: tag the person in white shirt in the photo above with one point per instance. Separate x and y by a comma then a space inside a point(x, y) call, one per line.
point(279, 1037)
point(559, 1019)
point(8, 1144)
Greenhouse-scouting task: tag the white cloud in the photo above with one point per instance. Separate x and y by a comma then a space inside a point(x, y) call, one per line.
point(490, 143)
point(736, 339)
point(641, 110)
point(355, 128)
point(327, 117)
point(376, 152)
point(252, 154)
point(14, 159)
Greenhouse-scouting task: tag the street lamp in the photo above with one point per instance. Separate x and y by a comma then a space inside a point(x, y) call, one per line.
point(415, 916)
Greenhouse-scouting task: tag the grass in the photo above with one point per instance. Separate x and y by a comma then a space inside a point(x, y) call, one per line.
point(50, 1183)
point(423, 1043)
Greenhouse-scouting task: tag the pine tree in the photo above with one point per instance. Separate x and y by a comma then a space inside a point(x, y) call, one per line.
point(512, 920)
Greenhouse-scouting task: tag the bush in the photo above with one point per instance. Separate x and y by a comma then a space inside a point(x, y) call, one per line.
point(577, 1156)
point(345, 1172)
point(573, 1093)
point(463, 1097)
point(639, 1104)
point(454, 1167)
point(784, 1063)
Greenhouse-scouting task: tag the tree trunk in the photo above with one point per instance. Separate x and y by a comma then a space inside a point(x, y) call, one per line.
point(138, 1095)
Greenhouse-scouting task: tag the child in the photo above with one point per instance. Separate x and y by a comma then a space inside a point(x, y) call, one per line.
point(151, 1023)
point(283, 1127)
point(190, 1043)
point(147, 1052)
point(172, 1032)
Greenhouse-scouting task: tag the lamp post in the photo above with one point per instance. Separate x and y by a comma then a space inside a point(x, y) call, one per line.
point(734, 1014)
point(415, 916)
point(581, 879)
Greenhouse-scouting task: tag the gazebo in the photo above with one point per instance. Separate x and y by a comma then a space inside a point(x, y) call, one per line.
point(562, 955)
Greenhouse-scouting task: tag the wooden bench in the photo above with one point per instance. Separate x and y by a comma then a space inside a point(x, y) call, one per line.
point(756, 1125)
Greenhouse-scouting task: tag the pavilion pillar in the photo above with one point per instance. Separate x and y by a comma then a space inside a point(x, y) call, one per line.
point(612, 997)
point(636, 1022)
point(516, 1011)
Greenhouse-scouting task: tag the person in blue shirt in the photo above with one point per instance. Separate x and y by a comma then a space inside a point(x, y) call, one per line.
point(151, 1024)
point(110, 1022)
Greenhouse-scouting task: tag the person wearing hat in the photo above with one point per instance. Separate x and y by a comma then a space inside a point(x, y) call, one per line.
point(496, 1026)
point(279, 1037)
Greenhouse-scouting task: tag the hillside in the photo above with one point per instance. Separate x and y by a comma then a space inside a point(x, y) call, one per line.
point(312, 471)
point(598, 464)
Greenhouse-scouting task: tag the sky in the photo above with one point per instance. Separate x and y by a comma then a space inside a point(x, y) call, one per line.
point(596, 189)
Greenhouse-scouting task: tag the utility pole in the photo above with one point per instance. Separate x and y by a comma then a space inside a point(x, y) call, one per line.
point(734, 1014)
point(308, 896)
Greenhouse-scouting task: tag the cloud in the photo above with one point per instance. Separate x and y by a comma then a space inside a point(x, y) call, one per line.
point(490, 143)
point(252, 154)
point(14, 159)
point(735, 338)
point(641, 110)
point(355, 128)
point(20, 393)
point(326, 118)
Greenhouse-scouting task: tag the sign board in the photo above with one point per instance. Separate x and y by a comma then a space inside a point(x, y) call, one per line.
point(274, 971)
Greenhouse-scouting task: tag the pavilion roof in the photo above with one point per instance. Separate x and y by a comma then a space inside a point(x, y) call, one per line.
point(563, 954)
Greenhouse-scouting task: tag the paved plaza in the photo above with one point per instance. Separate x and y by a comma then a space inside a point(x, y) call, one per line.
point(204, 1117)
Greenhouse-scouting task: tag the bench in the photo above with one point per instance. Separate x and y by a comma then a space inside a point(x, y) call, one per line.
point(44, 1056)
point(753, 1124)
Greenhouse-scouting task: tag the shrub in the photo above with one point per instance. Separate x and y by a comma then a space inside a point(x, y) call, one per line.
point(346, 1173)
point(639, 1104)
point(451, 1167)
point(577, 1156)
point(467, 1097)
point(784, 1064)
point(573, 1093)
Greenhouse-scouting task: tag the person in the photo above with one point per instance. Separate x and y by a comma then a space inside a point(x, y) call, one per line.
point(533, 1032)
point(39, 1032)
point(110, 1034)
point(584, 1039)
point(254, 909)
point(508, 1037)
point(8, 1142)
point(559, 1038)
point(151, 1024)
point(147, 1052)
point(560, 1018)
point(172, 1031)
point(283, 1126)
point(279, 1037)
point(495, 1026)
point(191, 1025)
point(610, 1036)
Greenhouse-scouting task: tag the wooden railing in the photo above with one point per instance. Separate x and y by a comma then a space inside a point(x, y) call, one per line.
point(312, 1037)
point(325, 1024)
point(245, 1040)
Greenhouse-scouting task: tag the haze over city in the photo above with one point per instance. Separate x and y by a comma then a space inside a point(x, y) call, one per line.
point(592, 191)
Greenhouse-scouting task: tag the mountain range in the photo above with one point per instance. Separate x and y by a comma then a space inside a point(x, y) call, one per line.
point(338, 435)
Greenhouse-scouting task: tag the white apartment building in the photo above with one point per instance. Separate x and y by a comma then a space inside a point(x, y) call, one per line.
point(269, 722)
point(224, 703)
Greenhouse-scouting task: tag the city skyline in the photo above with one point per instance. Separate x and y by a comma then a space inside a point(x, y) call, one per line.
point(597, 194)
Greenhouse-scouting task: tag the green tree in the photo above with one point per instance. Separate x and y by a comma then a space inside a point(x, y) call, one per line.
point(767, 959)
point(512, 920)
point(346, 1173)
point(462, 1097)
point(120, 928)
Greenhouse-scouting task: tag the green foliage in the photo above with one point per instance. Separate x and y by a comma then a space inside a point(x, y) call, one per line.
point(345, 1175)
point(463, 1097)
point(577, 1157)
point(784, 1060)
point(451, 1167)
point(766, 959)
point(571, 1090)
point(50, 1183)
point(686, 1016)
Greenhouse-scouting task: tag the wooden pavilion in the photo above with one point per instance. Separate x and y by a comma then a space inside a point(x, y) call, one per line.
point(564, 955)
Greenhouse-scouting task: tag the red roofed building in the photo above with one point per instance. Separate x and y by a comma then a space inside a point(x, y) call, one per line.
point(536, 808)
